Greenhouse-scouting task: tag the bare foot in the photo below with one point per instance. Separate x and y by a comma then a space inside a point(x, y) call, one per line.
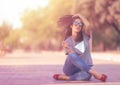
point(95, 74)
point(98, 76)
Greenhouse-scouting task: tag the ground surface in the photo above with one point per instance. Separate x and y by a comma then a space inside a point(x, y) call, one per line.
point(20, 68)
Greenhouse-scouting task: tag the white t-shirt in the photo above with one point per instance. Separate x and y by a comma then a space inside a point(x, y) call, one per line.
point(80, 46)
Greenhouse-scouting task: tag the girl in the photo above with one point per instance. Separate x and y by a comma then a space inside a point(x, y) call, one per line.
point(76, 44)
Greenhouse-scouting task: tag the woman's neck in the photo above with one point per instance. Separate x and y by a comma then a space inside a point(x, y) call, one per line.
point(74, 35)
point(77, 36)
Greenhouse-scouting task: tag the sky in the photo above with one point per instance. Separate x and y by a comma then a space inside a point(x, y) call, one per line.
point(12, 10)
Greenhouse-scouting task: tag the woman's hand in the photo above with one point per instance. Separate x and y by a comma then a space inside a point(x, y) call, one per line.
point(65, 44)
point(66, 47)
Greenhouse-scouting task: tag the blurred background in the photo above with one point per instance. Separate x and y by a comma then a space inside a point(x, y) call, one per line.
point(31, 25)
point(30, 39)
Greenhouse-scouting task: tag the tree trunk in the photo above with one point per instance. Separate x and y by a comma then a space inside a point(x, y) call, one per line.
point(116, 28)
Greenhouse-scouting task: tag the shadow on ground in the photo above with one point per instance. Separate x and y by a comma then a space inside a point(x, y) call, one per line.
point(42, 75)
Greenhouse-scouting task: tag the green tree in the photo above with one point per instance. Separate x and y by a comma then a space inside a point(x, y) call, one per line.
point(41, 25)
point(103, 16)
point(4, 33)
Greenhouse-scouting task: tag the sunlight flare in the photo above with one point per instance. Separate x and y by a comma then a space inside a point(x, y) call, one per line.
point(12, 10)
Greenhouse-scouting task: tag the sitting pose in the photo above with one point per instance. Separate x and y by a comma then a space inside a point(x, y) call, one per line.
point(76, 44)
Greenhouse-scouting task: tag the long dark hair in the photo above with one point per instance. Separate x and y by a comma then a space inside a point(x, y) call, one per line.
point(65, 22)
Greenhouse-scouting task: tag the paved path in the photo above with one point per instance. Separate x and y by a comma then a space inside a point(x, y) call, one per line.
point(38, 68)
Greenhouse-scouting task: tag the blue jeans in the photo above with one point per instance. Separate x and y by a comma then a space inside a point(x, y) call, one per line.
point(76, 68)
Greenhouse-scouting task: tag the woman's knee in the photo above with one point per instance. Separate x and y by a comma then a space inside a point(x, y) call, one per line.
point(66, 72)
point(73, 55)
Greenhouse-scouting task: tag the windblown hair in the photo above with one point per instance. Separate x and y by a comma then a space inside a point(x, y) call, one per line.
point(65, 22)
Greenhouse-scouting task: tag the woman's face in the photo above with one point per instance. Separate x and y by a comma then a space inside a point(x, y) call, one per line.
point(77, 25)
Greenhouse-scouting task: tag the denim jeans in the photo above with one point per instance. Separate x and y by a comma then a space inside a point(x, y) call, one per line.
point(76, 68)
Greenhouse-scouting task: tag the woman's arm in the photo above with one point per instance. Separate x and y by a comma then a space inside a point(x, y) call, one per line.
point(67, 47)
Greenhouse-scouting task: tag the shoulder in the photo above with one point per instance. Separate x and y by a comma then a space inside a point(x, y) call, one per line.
point(68, 40)
point(86, 35)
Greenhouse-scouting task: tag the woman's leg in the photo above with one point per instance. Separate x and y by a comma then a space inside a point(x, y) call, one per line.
point(73, 60)
point(72, 72)
point(74, 63)
point(80, 76)
point(69, 68)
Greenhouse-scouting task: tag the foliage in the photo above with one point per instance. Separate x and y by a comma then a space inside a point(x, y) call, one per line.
point(40, 30)
point(104, 19)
